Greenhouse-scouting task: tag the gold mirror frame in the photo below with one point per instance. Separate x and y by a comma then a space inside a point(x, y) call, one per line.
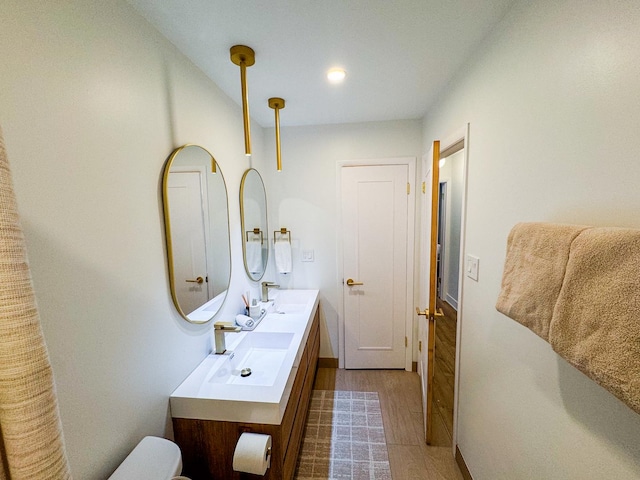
point(215, 246)
point(254, 230)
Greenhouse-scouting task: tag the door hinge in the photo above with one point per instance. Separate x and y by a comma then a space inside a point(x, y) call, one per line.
point(424, 187)
point(408, 188)
point(419, 345)
point(406, 342)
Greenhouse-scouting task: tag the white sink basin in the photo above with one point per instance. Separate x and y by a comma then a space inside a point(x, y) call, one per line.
point(293, 301)
point(290, 308)
point(261, 352)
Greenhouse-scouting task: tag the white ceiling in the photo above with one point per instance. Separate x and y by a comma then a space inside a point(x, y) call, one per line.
point(398, 54)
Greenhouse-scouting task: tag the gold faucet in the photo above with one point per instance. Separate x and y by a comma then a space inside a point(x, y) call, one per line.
point(219, 328)
point(265, 290)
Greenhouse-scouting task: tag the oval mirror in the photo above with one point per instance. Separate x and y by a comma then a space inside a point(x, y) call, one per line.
point(253, 214)
point(196, 221)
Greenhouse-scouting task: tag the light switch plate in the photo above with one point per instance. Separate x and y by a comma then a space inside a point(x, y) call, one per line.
point(307, 255)
point(471, 267)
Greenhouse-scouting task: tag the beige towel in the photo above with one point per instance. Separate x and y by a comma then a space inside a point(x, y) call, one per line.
point(31, 447)
point(537, 255)
point(596, 321)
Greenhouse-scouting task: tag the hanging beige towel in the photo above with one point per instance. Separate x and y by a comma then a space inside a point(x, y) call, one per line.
point(537, 255)
point(31, 443)
point(596, 322)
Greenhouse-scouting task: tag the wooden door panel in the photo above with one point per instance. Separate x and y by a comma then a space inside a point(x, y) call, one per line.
point(428, 285)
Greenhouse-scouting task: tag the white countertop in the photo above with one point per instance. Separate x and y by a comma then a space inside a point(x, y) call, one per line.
point(198, 397)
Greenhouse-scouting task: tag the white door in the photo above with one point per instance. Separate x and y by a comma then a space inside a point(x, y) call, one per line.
point(375, 226)
point(188, 247)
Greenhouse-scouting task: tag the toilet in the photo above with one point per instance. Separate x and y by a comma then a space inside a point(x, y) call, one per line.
point(153, 458)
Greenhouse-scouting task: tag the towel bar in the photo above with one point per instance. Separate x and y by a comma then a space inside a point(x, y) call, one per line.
point(282, 231)
point(255, 231)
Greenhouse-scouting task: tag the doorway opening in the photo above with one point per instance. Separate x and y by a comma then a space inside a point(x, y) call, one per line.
point(442, 218)
point(442, 249)
point(450, 225)
point(448, 268)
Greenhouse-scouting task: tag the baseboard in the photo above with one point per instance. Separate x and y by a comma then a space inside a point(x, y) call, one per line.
point(466, 474)
point(333, 363)
point(328, 363)
point(452, 301)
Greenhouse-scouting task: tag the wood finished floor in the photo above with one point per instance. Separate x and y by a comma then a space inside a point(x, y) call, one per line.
point(399, 392)
point(444, 373)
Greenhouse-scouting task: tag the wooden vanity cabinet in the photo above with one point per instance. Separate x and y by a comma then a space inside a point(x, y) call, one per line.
point(207, 445)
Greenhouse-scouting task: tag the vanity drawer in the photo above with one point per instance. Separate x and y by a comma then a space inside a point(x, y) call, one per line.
point(311, 351)
point(291, 457)
point(293, 402)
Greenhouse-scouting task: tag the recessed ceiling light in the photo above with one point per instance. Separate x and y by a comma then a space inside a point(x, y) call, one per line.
point(336, 75)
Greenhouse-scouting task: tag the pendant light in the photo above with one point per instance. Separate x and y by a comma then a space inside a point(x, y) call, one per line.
point(244, 57)
point(277, 103)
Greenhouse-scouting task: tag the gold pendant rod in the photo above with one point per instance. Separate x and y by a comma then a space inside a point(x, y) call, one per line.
point(244, 57)
point(245, 109)
point(277, 103)
point(278, 157)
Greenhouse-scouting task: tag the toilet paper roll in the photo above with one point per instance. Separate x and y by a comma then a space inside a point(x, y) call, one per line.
point(252, 454)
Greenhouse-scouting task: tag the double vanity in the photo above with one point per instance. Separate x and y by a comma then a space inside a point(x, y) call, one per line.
point(261, 384)
point(258, 381)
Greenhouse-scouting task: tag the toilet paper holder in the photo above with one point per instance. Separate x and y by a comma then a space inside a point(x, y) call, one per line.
point(252, 453)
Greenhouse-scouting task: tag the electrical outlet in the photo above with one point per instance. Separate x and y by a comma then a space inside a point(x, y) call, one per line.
point(471, 267)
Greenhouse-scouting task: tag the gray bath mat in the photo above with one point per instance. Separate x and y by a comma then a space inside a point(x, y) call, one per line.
point(344, 438)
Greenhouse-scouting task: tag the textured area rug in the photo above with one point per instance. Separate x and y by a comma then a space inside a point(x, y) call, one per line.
point(344, 438)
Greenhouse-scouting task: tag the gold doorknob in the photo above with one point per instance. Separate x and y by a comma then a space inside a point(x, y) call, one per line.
point(198, 280)
point(351, 283)
point(437, 313)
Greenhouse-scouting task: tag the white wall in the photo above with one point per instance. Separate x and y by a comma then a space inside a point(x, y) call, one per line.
point(553, 99)
point(303, 198)
point(92, 102)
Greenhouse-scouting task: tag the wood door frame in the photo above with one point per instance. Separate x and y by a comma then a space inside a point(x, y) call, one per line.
point(410, 162)
point(459, 135)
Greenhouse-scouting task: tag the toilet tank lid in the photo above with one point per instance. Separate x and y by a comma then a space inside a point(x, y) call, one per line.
point(153, 458)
